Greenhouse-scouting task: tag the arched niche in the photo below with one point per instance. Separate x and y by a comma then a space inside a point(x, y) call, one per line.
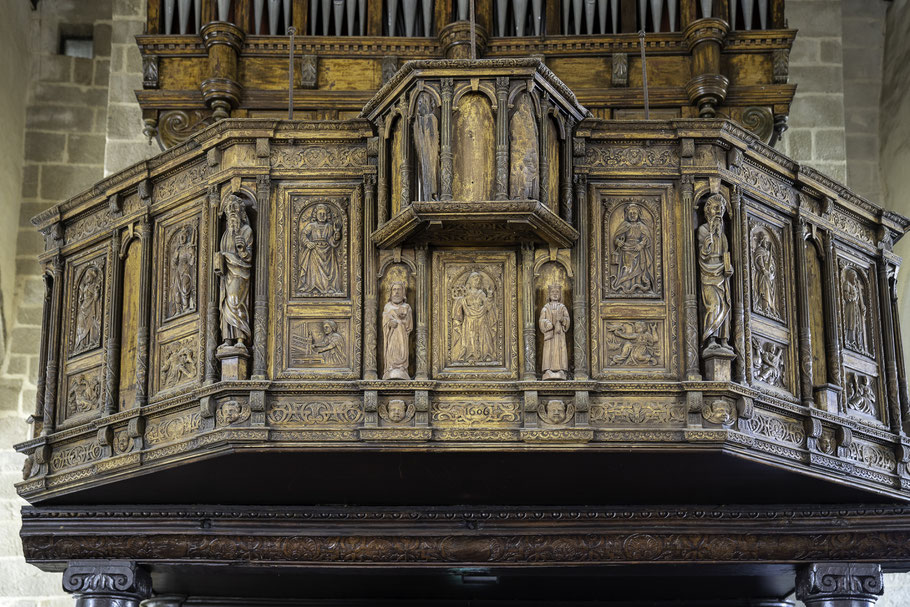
point(524, 148)
point(391, 272)
point(131, 254)
point(553, 270)
point(473, 148)
point(817, 305)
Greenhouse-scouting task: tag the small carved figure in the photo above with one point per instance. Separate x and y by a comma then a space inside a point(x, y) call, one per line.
point(637, 342)
point(319, 243)
point(331, 347)
point(768, 362)
point(397, 324)
point(88, 310)
point(554, 324)
point(524, 177)
point(854, 312)
point(179, 366)
point(765, 275)
point(426, 144)
point(183, 271)
point(861, 397)
point(474, 322)
point(716, 269)
point(233, 264)
point(633, 257)
point(84, 395)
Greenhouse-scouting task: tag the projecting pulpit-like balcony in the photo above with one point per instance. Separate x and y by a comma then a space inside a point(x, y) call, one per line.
point(473, 289)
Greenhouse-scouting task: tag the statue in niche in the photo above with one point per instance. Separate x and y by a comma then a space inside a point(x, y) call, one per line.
point(765, 275)
point(554, 324)
point(637, 342)
point(524, 177)
point(319, 243)
point(854, 312)
point(716, 269)
point(88, 310)
point(233, 264)
point(861, 396)
point(474, 322)
point(426, 144)
point(633, 257)
point(397, 324)
point(183, 271)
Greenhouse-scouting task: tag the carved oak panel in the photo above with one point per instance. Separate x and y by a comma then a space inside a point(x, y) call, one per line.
point(474, 308)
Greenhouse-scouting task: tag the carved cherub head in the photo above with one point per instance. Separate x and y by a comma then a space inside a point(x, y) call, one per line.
point(556, 411)
point(554, 291)
point(397, 410)
point(397, 292)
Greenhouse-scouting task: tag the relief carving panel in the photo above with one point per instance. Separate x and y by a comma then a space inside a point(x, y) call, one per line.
point(83, 394)
point(87, 307)
point(320, 247)
point(480, 412)
point(632, 255)
point(323, 412)
point(633, 343)
point(861, 395)
point(856, 310)
point(319, 343)
point(767, 266)
point(628, 412)
point(177, 362)
point(769, 362)
point(180, 270)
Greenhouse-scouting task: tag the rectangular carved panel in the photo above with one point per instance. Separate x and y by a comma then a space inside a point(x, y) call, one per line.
point(475, 309)
point(484, 412)
point(321, 343)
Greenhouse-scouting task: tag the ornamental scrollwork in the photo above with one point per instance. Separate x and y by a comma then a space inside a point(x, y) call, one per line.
point(475, 413)
point(317, 413)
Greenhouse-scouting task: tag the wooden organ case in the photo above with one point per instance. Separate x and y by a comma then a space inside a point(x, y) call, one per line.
point(468, 331)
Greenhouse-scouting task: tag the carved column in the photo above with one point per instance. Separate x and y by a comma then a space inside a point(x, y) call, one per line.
point(142, 340)
point(690, 301)
point(839, 584)
point(707, 89)
point(405, 169)
point(446, 159)
point(369, 281)
point(565, 195)
point(579, 287)
point(423, 312)
point(529, 335)
point(53, 347)
point(41, 382)
point(99, 583)
point(740, 253)
point(894, 408)
point(544, 167)
point(221, 90)
point(382, 204)
point(899, 348)
point(747, 301)
point(832, 337)
point(807, 387)
point(261, 304)
point(211, 312)
point(112, 372)
point(502, 139)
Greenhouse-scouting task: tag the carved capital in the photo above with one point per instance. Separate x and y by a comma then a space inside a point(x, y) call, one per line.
point(839, 584)
point(98, 583)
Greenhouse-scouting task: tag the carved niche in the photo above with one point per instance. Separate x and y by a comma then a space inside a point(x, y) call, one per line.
point(87, 307)
point(524, 151)
point(180, 270)
point(856, 310)
point(475, 306)
point(426, 145)
point(632, 245)
point(767, 267)
point(320, 247)
point(473, 129)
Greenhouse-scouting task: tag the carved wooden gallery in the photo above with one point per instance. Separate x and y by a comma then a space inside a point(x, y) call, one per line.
point(468, 330)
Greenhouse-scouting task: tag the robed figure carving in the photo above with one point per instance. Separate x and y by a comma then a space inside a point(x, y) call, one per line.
point(524, 178)
point(633, 257)
point(397, 324)
point(474, 322)
point(854, 312)
point(319, 244)
point(88, 310)
point(554, 324)
point(426, 144)
point(716, 269)
point(234, 263)
point(765, 275)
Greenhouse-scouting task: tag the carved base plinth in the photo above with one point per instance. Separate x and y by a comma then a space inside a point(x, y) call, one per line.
point(826, 398)
point(718, 362)
point(235, 362)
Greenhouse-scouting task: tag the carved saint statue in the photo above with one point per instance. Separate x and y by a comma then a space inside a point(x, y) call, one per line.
point(331, 346)
point(320, 241)
point(88, 310)
point(765, 275)
point(524, 177)
point(474, 322)
point(397, 324)
point(426, 143)
point(183, 271)
point(234, 263)
point(554, 324)
point(716, 269)
point(854, 312)
point(633, 257)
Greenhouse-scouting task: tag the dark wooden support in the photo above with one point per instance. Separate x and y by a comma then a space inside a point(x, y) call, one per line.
point(839, 584)
point(144, 312)
point(54, 347)
point(807, 388)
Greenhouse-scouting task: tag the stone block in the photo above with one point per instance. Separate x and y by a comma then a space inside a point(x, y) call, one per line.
point(100, 124)
point(800, 144)
point(65, 181)
point(123, 87)
point(862, 146)
point(128, 8)
point(121, 154)
point(125, 31)
point(133, 60)
point(67, 118)
point(29, 242)
point(831, 51)
point(85, 149)
point(102, 72)
point(862, 62)
point(815, 18)
point(829, 144)
point(805, 51)
point(32, 290)
point(101, 40)
point(29, 316)
point(30, 181)
point(817, 109)
point(124, 121)
point(55, 68)
point(10, 388)
point(16, 365)
point(83, 69)
point(24, 340)
point(28, 210)
point(27, 266)
point(818, 78)
point(44, 147)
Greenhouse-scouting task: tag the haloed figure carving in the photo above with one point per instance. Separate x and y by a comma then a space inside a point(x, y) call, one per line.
point(765, 275)
point(632, 254)
point(88, 311)
point(233, 264)
point(474, 322)
point(183, 271)
point(319, 243)
point(554, 324)
point(716, 269)
point(397, 324)
point(426, 142)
